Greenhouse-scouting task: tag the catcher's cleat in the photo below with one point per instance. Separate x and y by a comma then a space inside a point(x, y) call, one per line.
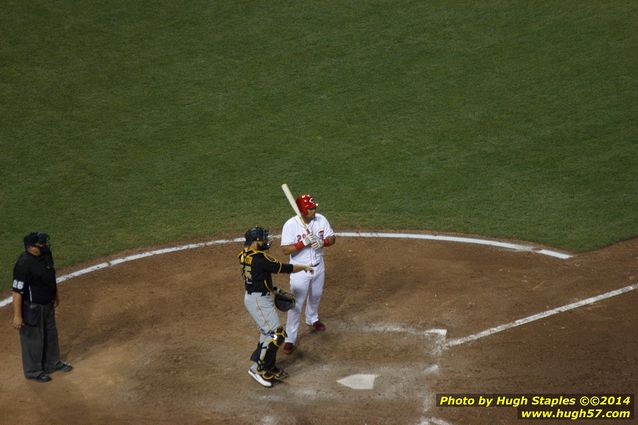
point(278, 374)
point(260, 378)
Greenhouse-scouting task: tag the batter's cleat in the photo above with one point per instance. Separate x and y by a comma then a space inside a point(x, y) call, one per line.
point(278, 374)
point(260, 378)
point(318, 326)
point(289, 347)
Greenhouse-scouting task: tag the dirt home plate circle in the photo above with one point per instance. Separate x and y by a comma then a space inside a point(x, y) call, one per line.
point(160, 336)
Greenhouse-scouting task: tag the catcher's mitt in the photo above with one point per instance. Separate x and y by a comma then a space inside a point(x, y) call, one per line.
point(283, 300)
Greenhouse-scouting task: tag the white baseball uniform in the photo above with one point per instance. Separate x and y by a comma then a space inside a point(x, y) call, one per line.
point(304, 284)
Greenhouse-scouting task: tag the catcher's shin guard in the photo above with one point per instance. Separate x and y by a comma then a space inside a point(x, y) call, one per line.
point(269, 355)
point(256, 355)
point(278, 336)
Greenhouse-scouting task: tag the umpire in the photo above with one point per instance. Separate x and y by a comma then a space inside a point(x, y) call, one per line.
point(35, 296)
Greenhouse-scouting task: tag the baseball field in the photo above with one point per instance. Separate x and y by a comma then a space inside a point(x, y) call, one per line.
point(131, 126)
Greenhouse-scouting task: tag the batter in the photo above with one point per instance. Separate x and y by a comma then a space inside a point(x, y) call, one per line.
point(305, 242)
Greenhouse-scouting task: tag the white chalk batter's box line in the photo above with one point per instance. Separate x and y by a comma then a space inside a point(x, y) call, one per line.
point(456, 239)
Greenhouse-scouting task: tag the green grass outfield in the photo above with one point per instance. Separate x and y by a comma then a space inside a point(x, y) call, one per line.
point(132, 123)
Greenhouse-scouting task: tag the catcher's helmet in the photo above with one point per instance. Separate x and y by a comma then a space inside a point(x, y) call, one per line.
point(258, 234)
point(306, 202)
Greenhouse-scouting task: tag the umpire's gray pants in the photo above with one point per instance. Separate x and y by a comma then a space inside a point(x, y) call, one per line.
point(40, 349)
point(263, 311)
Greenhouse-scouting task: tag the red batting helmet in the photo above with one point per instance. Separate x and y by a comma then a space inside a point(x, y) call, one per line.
point(306, 202)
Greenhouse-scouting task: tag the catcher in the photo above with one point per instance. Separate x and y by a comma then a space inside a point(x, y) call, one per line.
point(260, 300)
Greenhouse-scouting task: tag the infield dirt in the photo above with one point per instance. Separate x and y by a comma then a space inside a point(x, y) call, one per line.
point(166, 339)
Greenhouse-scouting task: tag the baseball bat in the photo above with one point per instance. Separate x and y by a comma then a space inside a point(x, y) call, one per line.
point(293, 204)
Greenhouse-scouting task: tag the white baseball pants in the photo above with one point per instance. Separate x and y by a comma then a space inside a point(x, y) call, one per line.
point(302, 285)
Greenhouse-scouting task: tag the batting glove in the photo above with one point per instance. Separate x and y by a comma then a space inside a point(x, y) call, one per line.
point(309, 239)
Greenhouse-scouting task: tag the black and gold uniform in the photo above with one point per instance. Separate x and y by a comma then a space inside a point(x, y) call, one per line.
point(257, 269)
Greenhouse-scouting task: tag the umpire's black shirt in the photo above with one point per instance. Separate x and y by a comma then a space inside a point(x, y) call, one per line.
point(34, 278)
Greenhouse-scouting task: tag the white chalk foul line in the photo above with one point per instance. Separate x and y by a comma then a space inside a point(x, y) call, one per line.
point(505, 245)
point(134, 257)
point(458, 239)
point(519, 322)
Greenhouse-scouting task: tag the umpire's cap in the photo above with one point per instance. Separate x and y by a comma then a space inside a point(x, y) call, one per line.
point(34, 238)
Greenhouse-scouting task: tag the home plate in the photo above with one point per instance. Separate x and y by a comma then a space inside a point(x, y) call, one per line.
point(359, 381)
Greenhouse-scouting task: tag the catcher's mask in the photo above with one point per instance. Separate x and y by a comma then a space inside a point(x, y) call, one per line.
point(258, 234)
point(306, 202)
